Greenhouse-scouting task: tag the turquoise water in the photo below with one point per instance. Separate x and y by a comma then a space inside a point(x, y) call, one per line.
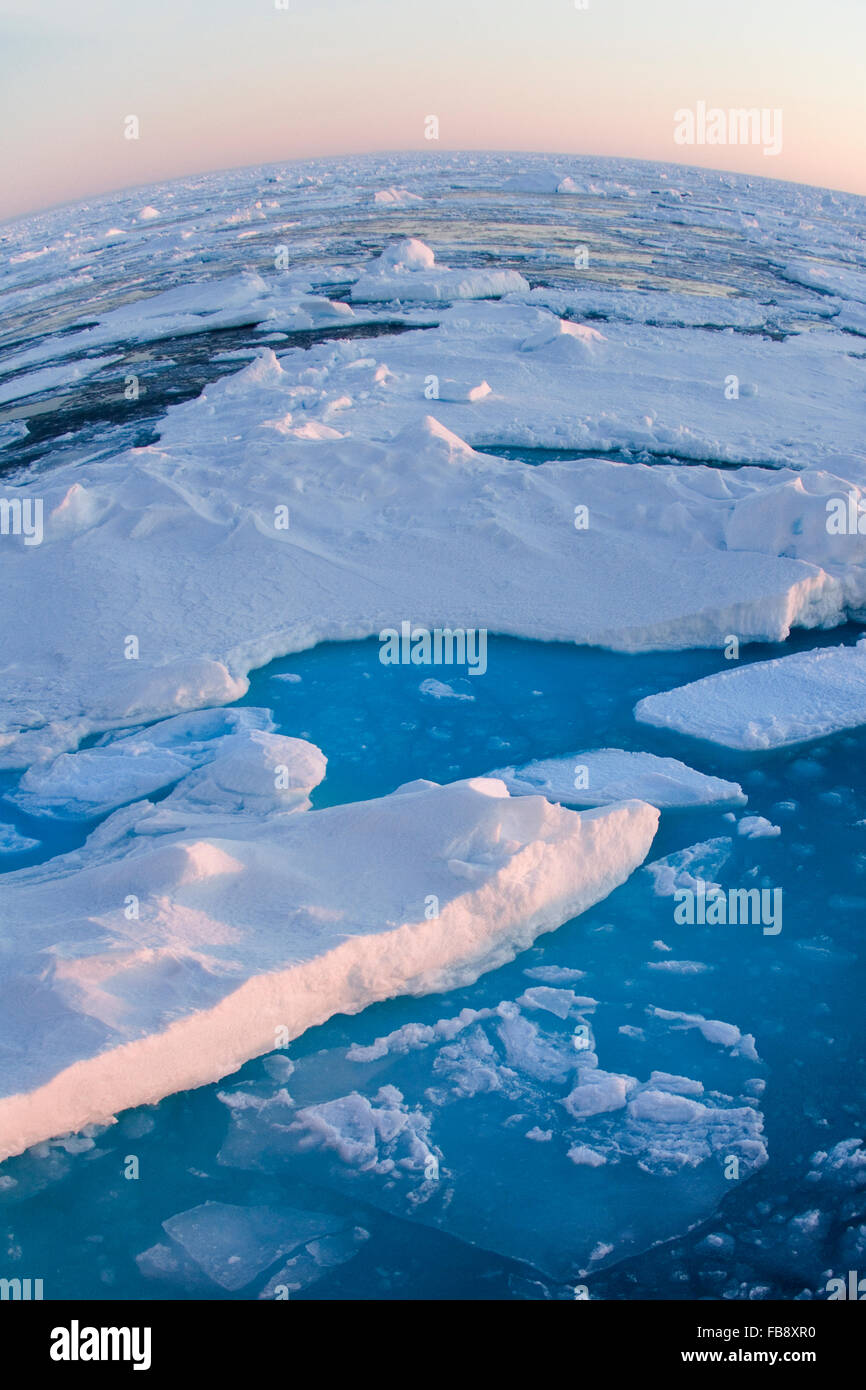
point(79, 1223)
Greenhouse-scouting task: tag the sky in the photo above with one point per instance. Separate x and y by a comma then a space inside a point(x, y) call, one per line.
point(217, 84)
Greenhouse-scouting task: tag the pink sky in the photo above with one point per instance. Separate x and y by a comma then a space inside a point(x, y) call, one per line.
point(219, 83)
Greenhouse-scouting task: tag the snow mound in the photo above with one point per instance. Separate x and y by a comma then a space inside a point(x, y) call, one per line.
point(396, 197)
point(573, 337)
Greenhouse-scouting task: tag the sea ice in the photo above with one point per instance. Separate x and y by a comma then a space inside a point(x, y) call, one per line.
point(310, 513)
point(408, 270)
point(13, 842)
point(76, 786)
point(769, 704)
point(757, 827)
point(605, 775)
point(443, 1140)
point(691, 867)
point(233, 1244)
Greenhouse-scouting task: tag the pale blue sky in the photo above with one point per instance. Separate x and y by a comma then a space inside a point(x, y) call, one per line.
point(217, 83)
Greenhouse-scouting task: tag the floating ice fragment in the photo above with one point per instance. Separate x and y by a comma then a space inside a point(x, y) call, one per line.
point(604, 775)
point(769, 704)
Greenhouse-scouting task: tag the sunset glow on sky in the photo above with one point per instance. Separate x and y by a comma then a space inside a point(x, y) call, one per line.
point(222, 83)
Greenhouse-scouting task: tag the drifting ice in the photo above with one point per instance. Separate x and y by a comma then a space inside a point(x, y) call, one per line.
point(606, 775)
point(769, 704)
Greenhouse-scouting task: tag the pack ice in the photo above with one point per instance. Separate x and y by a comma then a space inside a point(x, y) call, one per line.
point(769, 704)
point(188, 936)
point(317, 475)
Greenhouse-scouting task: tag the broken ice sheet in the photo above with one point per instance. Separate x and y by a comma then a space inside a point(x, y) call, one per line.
point(444, 1126)
point(316, 1260)
point(233, 1244)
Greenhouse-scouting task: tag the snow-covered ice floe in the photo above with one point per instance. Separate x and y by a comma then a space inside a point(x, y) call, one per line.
point(94, 781)
point(605, 775)
point(289, 467)
point(769, 704)
point(187, 936)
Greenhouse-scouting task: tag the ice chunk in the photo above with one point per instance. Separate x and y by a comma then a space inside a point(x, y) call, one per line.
point(396, 197)
point(12, 431)
point(713, 1029)
point(51, 378)
point(440, 690)
point(583, 1154)
point(769, 704)
point(314, 1262)
point(605, 775)
point(555, 1001)
point(555, 974)
point(597, 1092)
point(13, 842)
point(94, 781)
point(757, 827)
point(689, 868)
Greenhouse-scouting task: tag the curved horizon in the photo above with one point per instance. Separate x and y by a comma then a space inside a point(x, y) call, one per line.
point(561, 155)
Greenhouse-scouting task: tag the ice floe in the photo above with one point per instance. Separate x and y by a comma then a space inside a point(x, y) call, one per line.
point(96, 780)
point(645, 567)
point(605, 775)
point(768, 704)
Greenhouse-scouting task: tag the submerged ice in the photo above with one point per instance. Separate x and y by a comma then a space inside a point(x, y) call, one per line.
point(520, 1141)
